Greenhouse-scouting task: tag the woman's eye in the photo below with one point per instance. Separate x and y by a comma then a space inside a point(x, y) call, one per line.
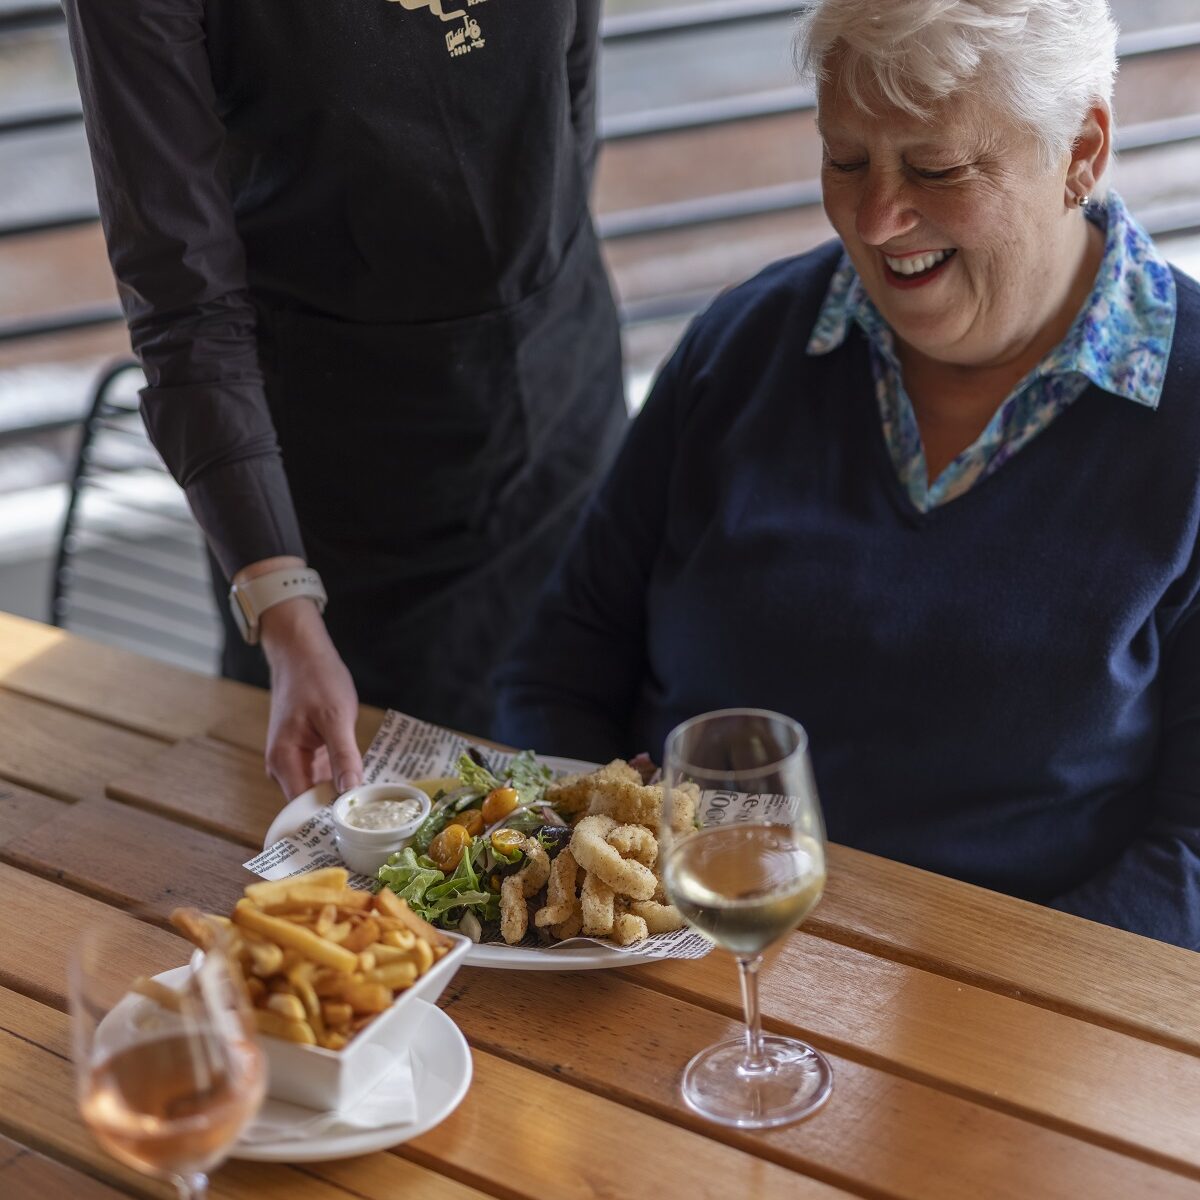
point(844, 167)
point(923, 173)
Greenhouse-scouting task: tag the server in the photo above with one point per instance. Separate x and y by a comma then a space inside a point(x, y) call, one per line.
point(353, 245)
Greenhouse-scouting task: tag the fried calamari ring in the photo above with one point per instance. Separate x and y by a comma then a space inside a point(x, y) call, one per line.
point(536, 871)
point(659, 918)
point(634, 841)
point(573, 793)
point(631, 803)
point(560, 891)
point(514, 912)
point(596, 856)
point(683, 807)
point(628, 929)
point(572, 925)
point(596, 906)
point(628, 802)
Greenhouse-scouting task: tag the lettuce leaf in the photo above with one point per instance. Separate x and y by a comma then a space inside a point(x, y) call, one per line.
point(463, 889)
point(525, 774)
point(529, 777)
point(433, 895)
point(475, 776)
point(410, 878)
point(429, 828)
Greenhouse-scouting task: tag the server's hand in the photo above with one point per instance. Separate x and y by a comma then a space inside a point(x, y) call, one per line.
point(313, 702)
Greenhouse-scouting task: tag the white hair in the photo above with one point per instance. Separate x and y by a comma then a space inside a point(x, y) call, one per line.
point(1044, 62)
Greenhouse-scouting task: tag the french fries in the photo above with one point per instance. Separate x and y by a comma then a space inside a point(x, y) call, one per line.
point(392, 906)
point(320, 960)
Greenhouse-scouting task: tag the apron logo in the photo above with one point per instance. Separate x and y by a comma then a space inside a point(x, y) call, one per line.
point(458, 41)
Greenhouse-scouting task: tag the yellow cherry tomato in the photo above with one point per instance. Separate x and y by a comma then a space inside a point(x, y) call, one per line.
point(499, 803)
point(471, 819)
point(447, 848)
point(506, 841)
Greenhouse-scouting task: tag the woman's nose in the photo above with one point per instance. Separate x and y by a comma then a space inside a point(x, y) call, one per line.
point(884, 209)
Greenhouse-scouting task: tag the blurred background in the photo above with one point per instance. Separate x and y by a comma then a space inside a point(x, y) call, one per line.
point(709, 171)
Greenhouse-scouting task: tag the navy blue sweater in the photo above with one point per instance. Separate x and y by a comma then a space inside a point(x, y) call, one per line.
point(1005, 689)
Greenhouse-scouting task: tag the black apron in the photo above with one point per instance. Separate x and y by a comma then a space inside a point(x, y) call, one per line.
point(437, 333)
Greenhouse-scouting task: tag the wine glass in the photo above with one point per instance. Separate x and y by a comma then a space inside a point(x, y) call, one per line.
point(742, 845)
point(168, 1070)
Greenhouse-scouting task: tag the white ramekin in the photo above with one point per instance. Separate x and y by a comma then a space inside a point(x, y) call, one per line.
point(366, 850)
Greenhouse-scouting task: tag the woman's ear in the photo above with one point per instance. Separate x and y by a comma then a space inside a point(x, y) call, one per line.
point(1090, 153)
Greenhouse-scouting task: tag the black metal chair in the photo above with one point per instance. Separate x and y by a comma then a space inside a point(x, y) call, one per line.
point(131, 567)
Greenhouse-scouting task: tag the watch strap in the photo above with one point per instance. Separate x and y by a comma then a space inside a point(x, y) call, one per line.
point(249, 600)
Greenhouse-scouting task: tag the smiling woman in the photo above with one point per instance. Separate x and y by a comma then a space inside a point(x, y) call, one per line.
point(955, 164)
point(930, 489)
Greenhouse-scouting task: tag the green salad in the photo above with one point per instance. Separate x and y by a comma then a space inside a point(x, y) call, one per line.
point(475, 835)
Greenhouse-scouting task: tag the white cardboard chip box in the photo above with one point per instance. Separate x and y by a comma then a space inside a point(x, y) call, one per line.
point(329, 1079)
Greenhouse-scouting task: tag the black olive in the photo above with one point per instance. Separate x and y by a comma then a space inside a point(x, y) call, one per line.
point(554, 837)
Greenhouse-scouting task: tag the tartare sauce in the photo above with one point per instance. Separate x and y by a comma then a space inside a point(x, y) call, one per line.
point(383, 814)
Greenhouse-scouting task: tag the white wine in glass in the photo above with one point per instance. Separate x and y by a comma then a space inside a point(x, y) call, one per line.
point(745, 873)
point(166, 1085)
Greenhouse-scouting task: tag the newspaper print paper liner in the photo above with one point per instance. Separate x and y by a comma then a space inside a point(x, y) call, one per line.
point(408, 748)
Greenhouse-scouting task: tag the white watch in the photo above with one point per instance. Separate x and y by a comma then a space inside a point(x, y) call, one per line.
point(248, 601)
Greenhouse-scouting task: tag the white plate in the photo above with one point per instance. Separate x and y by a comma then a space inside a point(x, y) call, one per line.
point(587, 956)
point(441, 1074)
point(303, 808)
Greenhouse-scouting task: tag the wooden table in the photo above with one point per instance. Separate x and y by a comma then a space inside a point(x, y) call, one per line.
point(982, 1047)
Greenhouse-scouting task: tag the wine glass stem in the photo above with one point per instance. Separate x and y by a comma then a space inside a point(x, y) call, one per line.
point(755, 1061)
point(192, 1187)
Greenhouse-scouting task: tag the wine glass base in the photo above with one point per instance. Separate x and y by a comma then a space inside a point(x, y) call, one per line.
point(793, 1083)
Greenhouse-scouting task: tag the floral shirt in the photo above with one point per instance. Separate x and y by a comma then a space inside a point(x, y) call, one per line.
point(1119, 341)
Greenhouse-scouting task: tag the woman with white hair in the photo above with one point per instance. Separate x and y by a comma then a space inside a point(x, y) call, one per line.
point(930, 489)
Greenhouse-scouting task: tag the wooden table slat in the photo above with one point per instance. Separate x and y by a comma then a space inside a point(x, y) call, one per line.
point(23, 811)
point(880, 1134)
point(10, 1150)
point(1023, 1059)
point(208, 784)
point(125, 689)
point(248, 728)
point(27, 1175)
point(62, 753)
point(35, 964)
point(1064, 962)
point(388, 1177)
point(157, 863)
point(530, 1135)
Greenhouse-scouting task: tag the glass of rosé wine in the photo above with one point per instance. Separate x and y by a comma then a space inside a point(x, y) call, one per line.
point(168, 1069)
